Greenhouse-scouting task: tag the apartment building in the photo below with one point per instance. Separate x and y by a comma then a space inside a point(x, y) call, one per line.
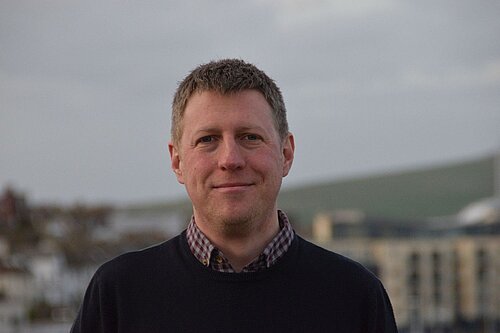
point(438, 280)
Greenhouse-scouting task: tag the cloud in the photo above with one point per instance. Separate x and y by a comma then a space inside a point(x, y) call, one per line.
point(291, 14)
point(481, 75)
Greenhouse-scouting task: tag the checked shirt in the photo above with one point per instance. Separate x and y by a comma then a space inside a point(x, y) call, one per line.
point(210, 256)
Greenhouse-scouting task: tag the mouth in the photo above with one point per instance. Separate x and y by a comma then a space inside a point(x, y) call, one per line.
point(229, 185)
point(232, 187)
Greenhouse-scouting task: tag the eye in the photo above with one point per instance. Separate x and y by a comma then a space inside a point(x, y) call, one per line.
point(251, 137)
point(206, 139)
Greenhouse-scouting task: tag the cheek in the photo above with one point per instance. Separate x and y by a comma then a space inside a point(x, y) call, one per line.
point(269, 167)
point(196, 170)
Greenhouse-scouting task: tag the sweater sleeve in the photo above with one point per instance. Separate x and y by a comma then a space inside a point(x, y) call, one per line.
point(97, 313)
point(379, 312)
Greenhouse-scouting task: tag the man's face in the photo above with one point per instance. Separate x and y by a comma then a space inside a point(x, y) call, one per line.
point(230, 157)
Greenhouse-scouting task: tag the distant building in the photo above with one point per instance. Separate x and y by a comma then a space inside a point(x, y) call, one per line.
point(13, 208)
point(4, 248)
point(125, 222)
point(438, 278)
point(15, 296)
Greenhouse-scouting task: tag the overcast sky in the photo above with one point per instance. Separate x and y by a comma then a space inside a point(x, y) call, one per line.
point(370, 86)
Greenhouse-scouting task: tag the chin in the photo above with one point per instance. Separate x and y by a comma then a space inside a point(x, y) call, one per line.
point(235, 217)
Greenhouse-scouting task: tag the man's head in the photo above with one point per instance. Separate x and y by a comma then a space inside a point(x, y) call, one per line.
point(231, 146)
point(226, 77)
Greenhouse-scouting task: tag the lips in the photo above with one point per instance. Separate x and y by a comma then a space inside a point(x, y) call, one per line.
point(232, 185)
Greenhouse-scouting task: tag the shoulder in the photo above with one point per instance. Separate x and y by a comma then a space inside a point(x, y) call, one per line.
point(346, 284)
point(319, 261)
point(140, 262)
point(123, 281)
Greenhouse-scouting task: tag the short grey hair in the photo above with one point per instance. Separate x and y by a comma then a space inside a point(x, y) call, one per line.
point(225, 77)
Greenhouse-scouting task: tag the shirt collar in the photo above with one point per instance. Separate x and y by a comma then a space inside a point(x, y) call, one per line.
point(207, 254)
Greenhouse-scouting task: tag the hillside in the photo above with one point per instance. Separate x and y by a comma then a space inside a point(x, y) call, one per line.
point(407, 195)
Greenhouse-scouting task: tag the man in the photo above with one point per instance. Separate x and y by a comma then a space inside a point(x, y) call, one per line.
point(239, 266)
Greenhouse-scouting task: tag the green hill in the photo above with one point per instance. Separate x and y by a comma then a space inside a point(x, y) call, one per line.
point(407, 195)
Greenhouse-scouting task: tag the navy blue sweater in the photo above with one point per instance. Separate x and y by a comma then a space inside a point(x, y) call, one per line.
point(165, 289)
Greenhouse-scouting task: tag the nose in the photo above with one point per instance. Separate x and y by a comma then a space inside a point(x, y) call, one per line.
point(230, 156)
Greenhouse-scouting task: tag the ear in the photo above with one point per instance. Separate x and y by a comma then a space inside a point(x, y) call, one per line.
point(288, 153)
point(175, 162)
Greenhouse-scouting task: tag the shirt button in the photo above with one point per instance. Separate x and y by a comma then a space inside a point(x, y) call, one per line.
point(205, 262)
point(219, 259)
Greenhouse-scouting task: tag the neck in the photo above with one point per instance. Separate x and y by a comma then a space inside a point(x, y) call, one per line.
point(241, 247)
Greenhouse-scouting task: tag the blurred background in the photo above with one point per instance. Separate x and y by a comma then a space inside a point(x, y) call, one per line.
point(394, 106)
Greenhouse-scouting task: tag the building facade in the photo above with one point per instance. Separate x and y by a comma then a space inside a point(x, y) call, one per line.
point(437, 283)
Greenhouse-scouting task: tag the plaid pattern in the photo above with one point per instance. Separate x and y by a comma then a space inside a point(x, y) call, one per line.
point(210, 256)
